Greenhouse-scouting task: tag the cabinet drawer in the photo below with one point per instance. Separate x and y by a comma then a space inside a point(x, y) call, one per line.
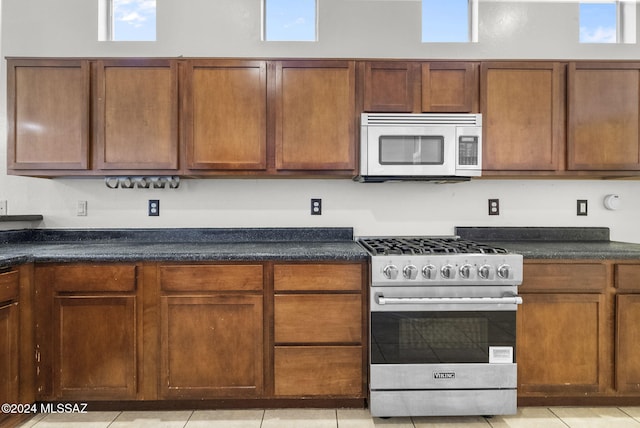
point(90, 277)
point(318, 318)
point(211, 278)
point(317, 277)
point(627, 277)
point(318, 370)
point(570, 277)
point(9, 286)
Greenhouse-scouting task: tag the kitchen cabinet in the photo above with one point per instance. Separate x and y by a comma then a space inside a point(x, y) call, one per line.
point(523, 110)
point(319, 330)
point(627, 336)
point(415, 87)
point(563, 329)
point(9, 338)
point(17, 363)
point(603, 116)
point(315, 117)
point(225, 114)
point(89, 331)
point(136, 119)
point(212, 332)
point(42, 137)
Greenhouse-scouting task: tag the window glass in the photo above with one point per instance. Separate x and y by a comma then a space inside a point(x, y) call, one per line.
point(598, 22)
point(290, 20)
point(133, 20)
point(445, 21)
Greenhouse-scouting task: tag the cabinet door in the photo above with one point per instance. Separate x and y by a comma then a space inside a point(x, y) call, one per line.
point(9, 353)
point(390, 86)
point(318, 370)
point(137, 115)
point(450, 87)
point(628, 343)
point(315, 116)
point(211, 346)
point(604, 112)
point(523, 114)
point(94, 347)
point(561, 343)
point(41, 134)
point(225, 109)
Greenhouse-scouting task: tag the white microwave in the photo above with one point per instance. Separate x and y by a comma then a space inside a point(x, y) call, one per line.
point(428, 146)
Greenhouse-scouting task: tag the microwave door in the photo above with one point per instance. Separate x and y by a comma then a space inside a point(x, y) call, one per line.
point(411, 151)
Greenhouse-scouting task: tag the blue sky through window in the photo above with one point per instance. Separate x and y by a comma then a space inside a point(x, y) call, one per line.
point(134, 20)
point(598, 22)
point(445, 21)
point(287, 20)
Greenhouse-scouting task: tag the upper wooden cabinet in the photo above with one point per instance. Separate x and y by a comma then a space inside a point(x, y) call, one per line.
point(414, 87)
point(47, 115)
point(390, 86)
point(136, 121)
point(450, 87)
point(225, 115)
point(315, 116)
point(523, 116)
point(603, 116)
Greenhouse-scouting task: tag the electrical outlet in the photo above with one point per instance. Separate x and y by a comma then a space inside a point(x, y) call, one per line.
point(494, 206)
point(582, 207)
point(81, 209)
point(154, 207)
point(316, 206)
point(3, 207)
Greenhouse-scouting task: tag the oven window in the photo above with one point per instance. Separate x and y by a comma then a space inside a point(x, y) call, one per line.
point(439, 337)
point(411, 150)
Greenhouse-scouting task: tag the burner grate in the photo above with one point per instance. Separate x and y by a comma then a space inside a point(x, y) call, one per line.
point(426, 245)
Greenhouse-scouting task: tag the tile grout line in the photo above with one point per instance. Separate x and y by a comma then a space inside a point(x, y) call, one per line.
point(188, 419)
point(561, 420)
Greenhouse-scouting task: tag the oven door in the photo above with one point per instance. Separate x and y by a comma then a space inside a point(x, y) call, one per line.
point(443, 343)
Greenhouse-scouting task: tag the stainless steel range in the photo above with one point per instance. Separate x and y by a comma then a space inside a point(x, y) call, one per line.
point(443, 327)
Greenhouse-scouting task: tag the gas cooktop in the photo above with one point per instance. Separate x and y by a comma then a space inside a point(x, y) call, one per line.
point(425, 245)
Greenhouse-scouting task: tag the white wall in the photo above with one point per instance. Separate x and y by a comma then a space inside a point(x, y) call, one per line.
point(347, 28)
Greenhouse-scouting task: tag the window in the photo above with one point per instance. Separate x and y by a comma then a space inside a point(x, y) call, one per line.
point(127, 20)
point(289, 20)
point(608, 21)
point(449, 21)
point(598, 22)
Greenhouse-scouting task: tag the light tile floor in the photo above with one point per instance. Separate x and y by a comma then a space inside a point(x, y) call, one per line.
point(527, 417)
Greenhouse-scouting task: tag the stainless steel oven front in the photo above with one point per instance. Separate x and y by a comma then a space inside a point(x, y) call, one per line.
point(442, 356)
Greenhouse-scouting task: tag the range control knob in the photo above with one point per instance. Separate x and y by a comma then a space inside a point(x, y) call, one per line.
point(410, 272)
point(503, 271)
point(448, 272)
point(484, 271)
point(465, 271)
point(429, 271)
point(390, 271)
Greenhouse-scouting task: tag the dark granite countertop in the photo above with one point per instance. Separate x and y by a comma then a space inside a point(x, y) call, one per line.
point(554, 242)
point(312, 244)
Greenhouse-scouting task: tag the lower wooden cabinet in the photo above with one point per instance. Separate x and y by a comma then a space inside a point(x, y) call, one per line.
point(199, 331)
point(319, 330)
point(578, 332)
point(212, 346)
point(559, 347)
point(318, 371)
point(88, 331)
point(16, 342)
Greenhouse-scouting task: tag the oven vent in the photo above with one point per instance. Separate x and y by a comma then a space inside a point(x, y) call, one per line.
point(400, 119)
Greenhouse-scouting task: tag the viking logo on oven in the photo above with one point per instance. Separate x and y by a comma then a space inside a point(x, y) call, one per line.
point(444, 375)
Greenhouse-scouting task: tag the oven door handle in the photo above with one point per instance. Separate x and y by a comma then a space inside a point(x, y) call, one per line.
point(517, 300)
